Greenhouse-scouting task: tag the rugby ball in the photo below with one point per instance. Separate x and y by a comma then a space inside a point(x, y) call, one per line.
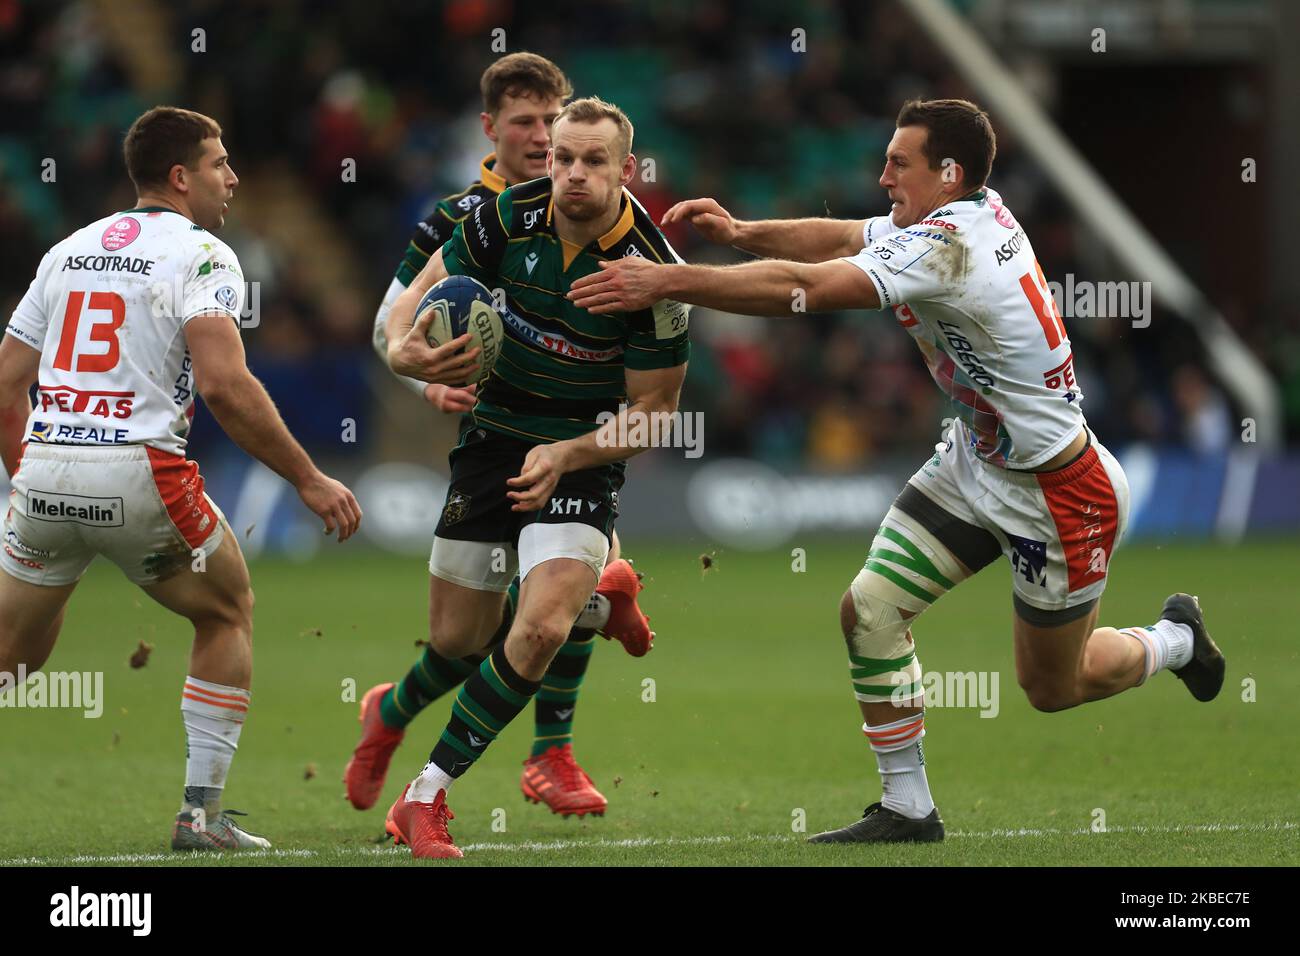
point(459, 305)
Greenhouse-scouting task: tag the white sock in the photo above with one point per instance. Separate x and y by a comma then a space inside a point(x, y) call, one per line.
point(1165, 644)
point(901, 761)
point(214, 716)
point(596, 614)
point(426, 786)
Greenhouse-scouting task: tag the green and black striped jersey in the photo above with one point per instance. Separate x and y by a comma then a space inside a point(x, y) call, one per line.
point(436, 228)
point(560, 366)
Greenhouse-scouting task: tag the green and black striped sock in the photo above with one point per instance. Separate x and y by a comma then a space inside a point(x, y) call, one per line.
point(489, 700)
point(434, 675)
point(558, 697)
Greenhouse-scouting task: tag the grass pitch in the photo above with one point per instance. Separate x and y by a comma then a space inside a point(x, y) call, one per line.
point(752, 729)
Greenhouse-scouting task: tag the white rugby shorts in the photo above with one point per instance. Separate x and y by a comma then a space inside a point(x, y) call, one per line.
point(143, 509)
point(1058, 529)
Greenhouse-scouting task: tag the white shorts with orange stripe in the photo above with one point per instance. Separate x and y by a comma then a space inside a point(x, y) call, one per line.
point(1058, 529)
point(143, 509)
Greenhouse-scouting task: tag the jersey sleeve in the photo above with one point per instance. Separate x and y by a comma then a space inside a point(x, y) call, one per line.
point(478, 244)
point(658, 337)
point(30, 320)
point(430, 235)
point(908, 267)
point(213, 283)
point(876, 228)
point(379, 337)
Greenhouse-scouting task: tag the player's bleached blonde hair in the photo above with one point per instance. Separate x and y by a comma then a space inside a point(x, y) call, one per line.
point(592, 109)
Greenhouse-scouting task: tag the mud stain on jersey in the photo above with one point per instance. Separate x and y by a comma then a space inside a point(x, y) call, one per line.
point(951, 262)
point(162, 565)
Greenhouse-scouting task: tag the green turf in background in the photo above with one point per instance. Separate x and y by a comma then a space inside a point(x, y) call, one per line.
point(753, 722)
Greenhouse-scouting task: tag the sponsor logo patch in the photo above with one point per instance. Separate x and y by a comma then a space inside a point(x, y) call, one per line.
point(1008, 250)
point(80, 509)
point(556, 343)
point(132, 264)
point(120, 234)
point(1000, 212)
point(1029, 559)
point(226, 296)
point(13, 541)
point(900, 251)
point(65, 398)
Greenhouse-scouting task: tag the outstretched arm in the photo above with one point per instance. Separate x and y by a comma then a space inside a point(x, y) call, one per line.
point(773, 287)
point(800, 240)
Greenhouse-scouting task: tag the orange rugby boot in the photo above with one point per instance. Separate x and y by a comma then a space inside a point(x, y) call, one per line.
point(554, 778)
point(423, 827)
point(620, 585)
point(365, 772)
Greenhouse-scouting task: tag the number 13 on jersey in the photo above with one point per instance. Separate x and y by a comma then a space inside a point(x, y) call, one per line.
point(104, 329)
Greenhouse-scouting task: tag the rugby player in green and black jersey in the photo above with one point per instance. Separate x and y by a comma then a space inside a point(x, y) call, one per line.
point(522, 95)
point(535, 475)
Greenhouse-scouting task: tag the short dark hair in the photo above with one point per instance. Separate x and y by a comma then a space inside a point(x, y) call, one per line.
point(163, 137)
point(522, 74)
point(958, 130)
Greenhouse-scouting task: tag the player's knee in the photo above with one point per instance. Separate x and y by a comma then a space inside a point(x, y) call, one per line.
point(225, 613)
point(873, 612)
point(541, 634)
point(453, 644)
point(848, 616)
point(615, 549)
point(1047, 696)
point(882, 658)
point(1049, 702)
point(457, 631)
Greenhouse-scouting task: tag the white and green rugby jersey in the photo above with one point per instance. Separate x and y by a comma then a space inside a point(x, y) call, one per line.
point(965, 283)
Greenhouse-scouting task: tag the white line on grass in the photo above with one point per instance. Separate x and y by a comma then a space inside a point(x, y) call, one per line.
point(540, 846)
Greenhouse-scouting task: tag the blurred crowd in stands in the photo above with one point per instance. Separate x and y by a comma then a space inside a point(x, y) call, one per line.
point(725, 101)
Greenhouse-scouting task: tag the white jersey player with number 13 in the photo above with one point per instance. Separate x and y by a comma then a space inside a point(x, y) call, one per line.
point(125, 321)
point(1019, 474)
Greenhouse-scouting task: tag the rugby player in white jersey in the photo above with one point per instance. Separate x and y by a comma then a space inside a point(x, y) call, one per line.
point(1019, 473)
point(126, 319)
